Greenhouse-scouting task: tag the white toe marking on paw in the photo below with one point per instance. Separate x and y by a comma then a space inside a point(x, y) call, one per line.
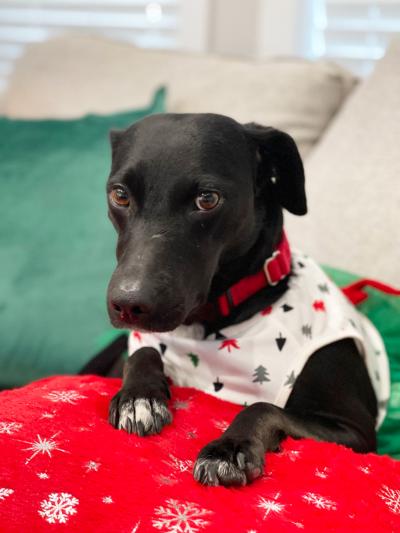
point(127, 413)
point(224, 468)
point(200, 464)
point(160, 409)
point(143, 413)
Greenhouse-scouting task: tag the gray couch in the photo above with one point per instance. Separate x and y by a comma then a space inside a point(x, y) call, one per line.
point(348, 130)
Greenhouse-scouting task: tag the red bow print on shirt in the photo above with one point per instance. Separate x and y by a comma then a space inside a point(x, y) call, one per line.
point(319, 305)
point(229, 344)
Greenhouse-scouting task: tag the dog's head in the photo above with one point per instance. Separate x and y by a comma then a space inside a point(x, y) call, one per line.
point(189, 194)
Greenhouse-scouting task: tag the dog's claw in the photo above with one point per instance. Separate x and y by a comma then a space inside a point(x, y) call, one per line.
point(240, 458)
point(140, 429)
point(158, 423)
point(113, 413)
point(212, 475)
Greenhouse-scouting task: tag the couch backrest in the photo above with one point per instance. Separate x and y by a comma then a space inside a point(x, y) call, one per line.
point(353, 181)
point(74, 75)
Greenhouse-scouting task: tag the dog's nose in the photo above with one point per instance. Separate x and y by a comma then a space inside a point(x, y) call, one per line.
point(144, 306)
point(131, 310)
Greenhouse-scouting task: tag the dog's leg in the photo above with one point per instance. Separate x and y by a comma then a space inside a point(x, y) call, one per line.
point(237, 457)
point(141, 404)
point(332, 400)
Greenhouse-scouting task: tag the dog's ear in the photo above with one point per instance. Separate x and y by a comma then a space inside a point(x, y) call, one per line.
point(280, 163)
point(115, 139)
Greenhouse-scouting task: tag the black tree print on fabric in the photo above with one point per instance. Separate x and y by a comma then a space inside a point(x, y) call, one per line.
point(290, 379)
point(280, 342)
point(260, 375)
point(323, 287)
point(307, 330)
point(218, 385)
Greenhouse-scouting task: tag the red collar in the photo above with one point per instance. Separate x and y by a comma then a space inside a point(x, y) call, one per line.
point(275, 268)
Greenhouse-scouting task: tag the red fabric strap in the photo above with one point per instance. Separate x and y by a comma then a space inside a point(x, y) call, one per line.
point(275, 269)
point(355, 293)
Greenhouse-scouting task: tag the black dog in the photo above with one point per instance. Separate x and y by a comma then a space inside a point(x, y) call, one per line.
point(197, 202)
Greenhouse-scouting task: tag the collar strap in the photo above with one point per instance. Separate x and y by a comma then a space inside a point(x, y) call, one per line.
point(275, 268)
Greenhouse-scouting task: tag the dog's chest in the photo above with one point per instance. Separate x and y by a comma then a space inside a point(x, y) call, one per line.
point(261, 358)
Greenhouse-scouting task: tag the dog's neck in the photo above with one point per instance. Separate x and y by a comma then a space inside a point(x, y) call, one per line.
point(238, 268)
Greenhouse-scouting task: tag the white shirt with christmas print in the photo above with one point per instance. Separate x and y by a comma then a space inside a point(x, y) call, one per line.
point(260, 359)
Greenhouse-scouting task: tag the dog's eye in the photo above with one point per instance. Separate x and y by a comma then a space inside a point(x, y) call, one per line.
point(207, 200)
point(119, 197)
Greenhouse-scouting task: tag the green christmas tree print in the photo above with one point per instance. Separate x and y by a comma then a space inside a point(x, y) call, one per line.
point(194, 358)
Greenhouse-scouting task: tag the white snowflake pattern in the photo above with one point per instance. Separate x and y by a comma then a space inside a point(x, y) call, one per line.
point(292, 455)
point(8, 428)
point(391, 497)
point(47, 414)
point(322, 473)
point(107, 499)
point(165, 480)
point(270, 505)
point(4, 493)
point(181, 465)
point(58, 508)
point(365, 469)
point(92, 466)
point(181, 404)
point(320, 502)
point(64, 396)
point(180, 517)
point(42, 475)
point(136, 527)
point(222, 425)
point(82, 429)
point(43, 446)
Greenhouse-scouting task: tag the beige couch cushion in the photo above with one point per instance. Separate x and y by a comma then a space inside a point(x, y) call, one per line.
point(353, 181)
point(73, 75)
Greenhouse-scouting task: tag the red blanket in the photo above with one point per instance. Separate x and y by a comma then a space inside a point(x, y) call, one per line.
point(64, 468)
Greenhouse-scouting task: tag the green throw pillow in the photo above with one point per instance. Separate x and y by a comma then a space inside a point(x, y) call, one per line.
point(56, 243)
point(384, 312)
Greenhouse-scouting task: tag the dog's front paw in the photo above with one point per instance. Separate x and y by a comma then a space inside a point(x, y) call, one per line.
point(143, 416)
point(230, 461)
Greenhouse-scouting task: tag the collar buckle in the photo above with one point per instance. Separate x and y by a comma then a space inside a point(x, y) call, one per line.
point(271, 275)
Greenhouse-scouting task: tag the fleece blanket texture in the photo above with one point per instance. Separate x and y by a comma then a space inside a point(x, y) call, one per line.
point(63, 468)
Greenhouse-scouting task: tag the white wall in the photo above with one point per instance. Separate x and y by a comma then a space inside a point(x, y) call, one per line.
point(194, 25)
point(261, 28)
point(233, 27)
